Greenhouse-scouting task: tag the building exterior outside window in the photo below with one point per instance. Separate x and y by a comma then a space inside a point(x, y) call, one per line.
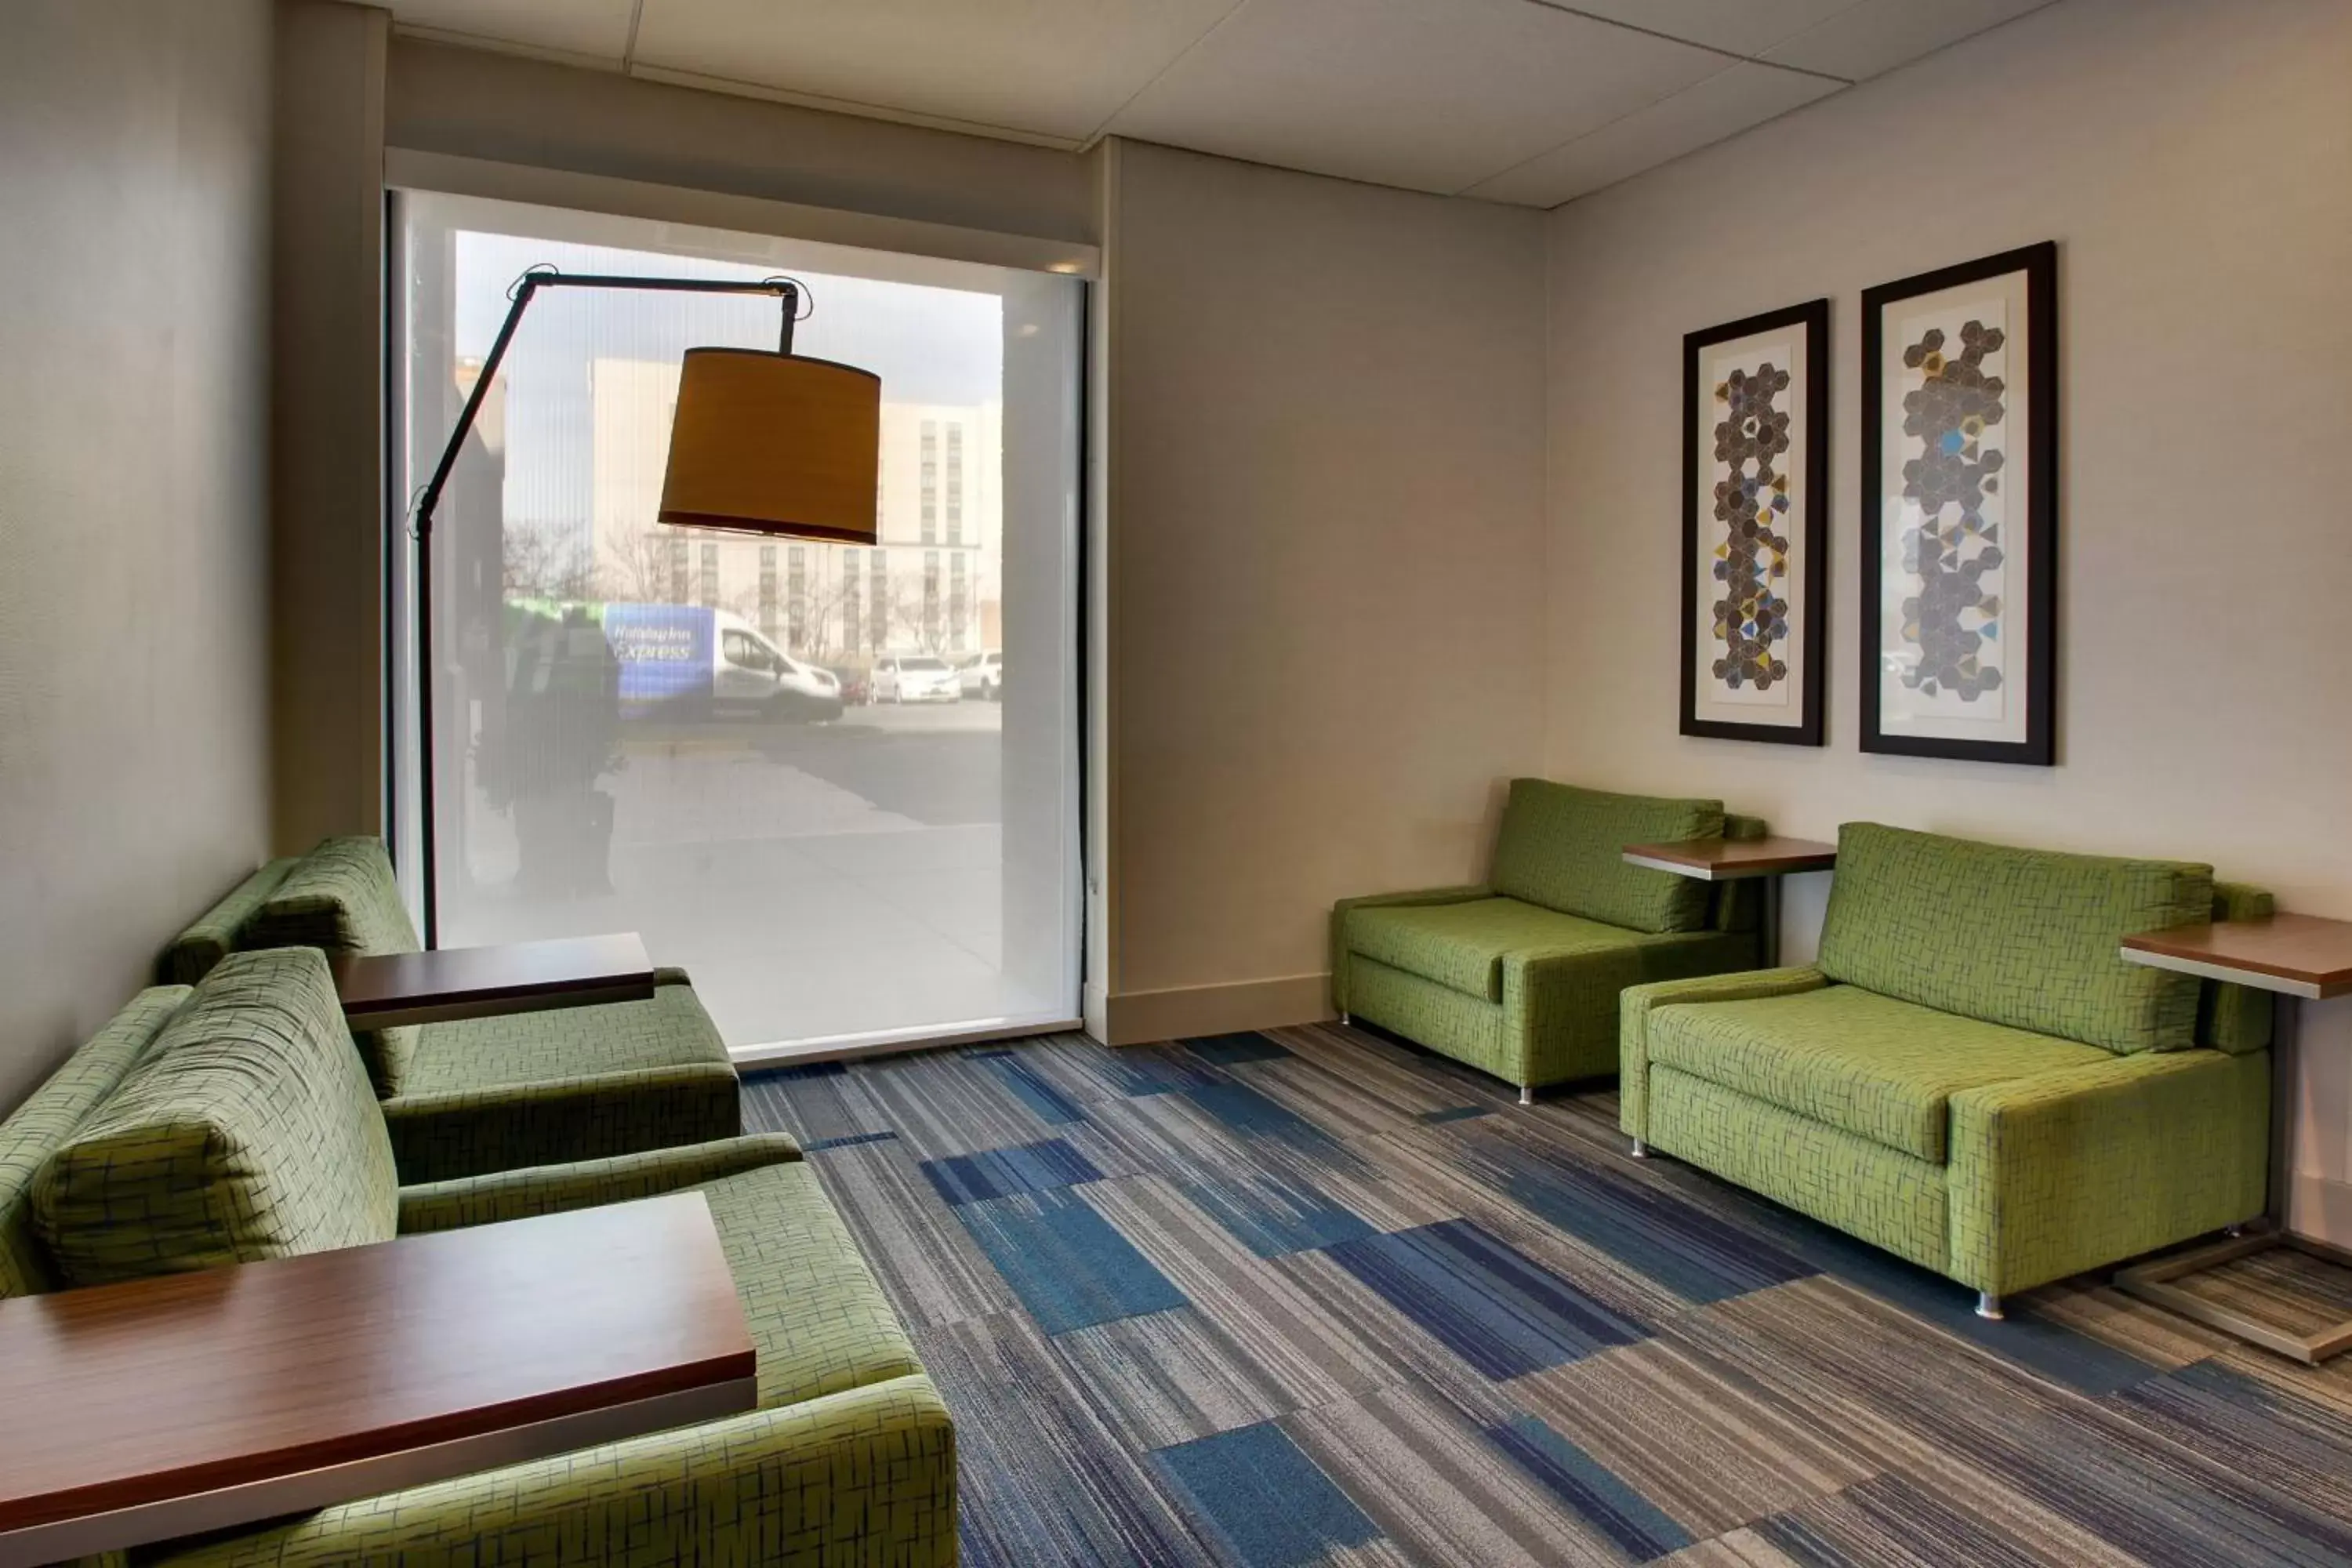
point(930, 481)
point(957, 590)
point(851, 601)
point(677, 558)
point(955, 484)
point(711, 573)
point(768, 592)
point(797, 588)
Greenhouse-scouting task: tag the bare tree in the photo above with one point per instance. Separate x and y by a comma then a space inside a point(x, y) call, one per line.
point(640, 567)
point(924, 620)
point(539, 563)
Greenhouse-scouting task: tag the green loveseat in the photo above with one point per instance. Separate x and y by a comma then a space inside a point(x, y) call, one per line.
point(1518, 976)
point(1968, 1076)
point(478, 1095)
point(233, 1122)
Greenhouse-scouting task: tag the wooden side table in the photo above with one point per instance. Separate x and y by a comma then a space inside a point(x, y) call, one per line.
point(162, 1407)
point(386, 992)
point(1739, 860)
point(2297, 956)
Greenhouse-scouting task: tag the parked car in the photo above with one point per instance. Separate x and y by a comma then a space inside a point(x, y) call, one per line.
point(982, 675)
point(916, 678)
point(709, 660)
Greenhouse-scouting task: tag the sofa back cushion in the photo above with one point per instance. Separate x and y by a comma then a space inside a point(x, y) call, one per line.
point(247, 1131)
point(1563, 847)
point(220, 930)
point(2236, 1018)
point(342, 897)
point(2028, 938)
point(35, 1130)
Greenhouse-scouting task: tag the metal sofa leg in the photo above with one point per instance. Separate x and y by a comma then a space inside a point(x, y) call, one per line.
point(1989, 1306)
point(1526, 1094)
point(1641, 1150)
point(1345, 1020)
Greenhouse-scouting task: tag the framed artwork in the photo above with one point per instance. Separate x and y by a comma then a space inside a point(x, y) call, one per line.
point(1755, 531)
point(1960, 512)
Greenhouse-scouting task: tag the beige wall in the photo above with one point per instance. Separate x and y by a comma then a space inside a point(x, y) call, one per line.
point(327, 402)
point(473, 104)
point(134, 326)
point(1326, 451)
point(2194, 162)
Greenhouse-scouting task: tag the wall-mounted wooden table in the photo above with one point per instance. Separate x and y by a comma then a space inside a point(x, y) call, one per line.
point(1740, 861)
point(478, 981)
point(195, 1402)
point(2297, 956)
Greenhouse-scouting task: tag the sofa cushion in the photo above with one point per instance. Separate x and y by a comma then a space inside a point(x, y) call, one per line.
point(35, 1130)
point(817, 1318)
point(573, 1083)
point(2024, 937)
point(247, 1130)
point(1461, 946)
point(220, 930)
point(1865, 1063)
point(1563, 849)
point(342, 897)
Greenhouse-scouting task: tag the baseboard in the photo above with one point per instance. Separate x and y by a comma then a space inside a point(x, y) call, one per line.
point(1139, 1017)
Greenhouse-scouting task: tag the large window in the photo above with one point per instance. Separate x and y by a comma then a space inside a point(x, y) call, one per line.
point(707, 738)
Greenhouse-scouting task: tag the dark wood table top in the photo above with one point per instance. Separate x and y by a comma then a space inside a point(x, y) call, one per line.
point(132, 1408)
point(2301, 955)
point(1729, 860)
point(399, 988)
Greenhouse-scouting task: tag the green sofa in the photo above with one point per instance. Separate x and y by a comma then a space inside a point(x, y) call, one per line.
point(1968, 1076)
point(233, 1122)
point(480, 1095)
point(1518, 976)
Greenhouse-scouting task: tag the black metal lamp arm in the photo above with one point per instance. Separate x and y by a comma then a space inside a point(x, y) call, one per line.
point(785, 289)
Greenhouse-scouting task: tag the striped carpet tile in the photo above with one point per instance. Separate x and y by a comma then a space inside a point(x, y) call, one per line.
point(1313, 1299)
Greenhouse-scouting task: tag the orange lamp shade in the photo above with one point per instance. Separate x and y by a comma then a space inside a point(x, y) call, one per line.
point(774, 444)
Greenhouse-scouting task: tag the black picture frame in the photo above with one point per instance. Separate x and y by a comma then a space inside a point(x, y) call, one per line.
point(2035, 268)
point(1809, 512)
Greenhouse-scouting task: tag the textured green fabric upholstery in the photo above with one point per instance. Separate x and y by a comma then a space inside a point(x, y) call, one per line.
point(584, 1184)
point(37, 1129)
point(1739, 904)
point(247, 1130)
point(220, 931)
point(1882, 1196)
point(2023, 937)
point(1863, 1063)
point(1563, 847)
point(2236, 1018)
point(2062, 1172)
point(2001, 1156)
point(1346, 908)
point(342, 897)
point(1638, 1006)
point(1462, 945)
point(574, 1083)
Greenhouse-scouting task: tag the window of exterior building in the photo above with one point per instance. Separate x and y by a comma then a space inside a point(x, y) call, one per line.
point(955, 484)
point(768, 590)
point(798, 602)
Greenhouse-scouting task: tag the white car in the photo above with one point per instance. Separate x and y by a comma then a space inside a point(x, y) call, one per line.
point(983, 676)
point(916, 678)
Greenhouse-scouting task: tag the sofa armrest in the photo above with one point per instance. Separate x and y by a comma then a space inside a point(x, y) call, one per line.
point(1341, 911)
point(868, 1475)
point(585, 1183)
point(1635, 1003)
point(2062, 1172)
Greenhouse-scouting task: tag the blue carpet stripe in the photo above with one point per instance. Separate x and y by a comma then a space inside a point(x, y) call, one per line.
point(1267, 1501)
point(1001, 1172)
point(1227, 1050)
point(1271, 1214)
point(848, 1141)
point(1484, 1299)
point(1569, 1473)
point(1037, 1092)
point(1066, 1262)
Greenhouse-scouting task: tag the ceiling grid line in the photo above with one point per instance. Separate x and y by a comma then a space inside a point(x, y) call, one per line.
point(1103, 128)
point(1755, 60)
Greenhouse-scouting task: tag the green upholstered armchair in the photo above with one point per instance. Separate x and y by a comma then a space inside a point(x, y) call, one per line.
point(1518, 976)
point(1969, 1076)
point(235, 1122)
point(486, 1094)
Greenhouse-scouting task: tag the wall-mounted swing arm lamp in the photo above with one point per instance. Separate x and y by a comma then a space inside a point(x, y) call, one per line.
point(771, 444)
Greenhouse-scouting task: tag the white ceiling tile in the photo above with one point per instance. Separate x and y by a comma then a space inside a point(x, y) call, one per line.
point(1428, 94)
point(587, 29)
point(1742, 26)
point(1723, 105)
point(1050, 67)
point(1879, 35)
